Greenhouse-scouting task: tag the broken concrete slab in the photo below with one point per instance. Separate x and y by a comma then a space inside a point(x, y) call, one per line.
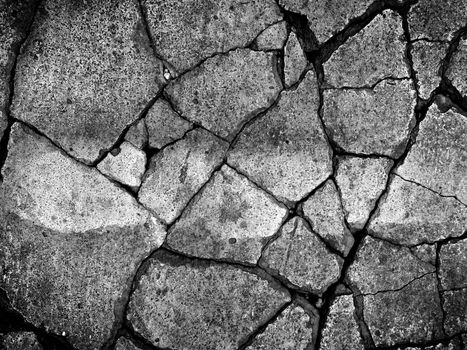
point(191, 304)
point(457, 71)
point(229, 219)
point(453, 265)
point(177, 172)
point(19, 341)
point(375, 53)
point(438, 159)
point(455, 307)
point(324, 212)
point(80, 95)
point(186, 32)
point(371, 121)
point(295, 61)
point(361, 181)
point(301, 259)
point(70, 241)
point(285, 151)
point(125, 344)
point(410, 214)
point(137, 134)
point(272, 38)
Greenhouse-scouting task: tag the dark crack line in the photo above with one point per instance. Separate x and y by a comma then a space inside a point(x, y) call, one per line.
point(364, 329)
point(369, 87)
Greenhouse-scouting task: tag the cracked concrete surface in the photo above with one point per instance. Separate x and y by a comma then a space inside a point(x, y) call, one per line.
point(266, 174)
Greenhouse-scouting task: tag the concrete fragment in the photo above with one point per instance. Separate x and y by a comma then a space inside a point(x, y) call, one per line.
point(125, 344)
point(137, 135)
point(189, 304)
point(295, 60)
point(285, 151)
point(371, 121)
point(455, 307)
point(178, 172)
point(19, 341)
point(453, 265)
point(273, 37)
point(457, 71)
point(425, 252)
point(86, 71)
point(230, 219)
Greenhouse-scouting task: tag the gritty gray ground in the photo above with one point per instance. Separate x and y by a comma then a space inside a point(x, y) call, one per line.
point(210, 175)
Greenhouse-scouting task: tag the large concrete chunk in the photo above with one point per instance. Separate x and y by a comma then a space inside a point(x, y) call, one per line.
point(179, 171)
point(186, 304)
point(186, 32)
point(230, 219)
point(85, 73)
point(371, 121)
point(457, 71)
point(453, 265)
point(285, 151)
point(70, 241)
point(374, 53)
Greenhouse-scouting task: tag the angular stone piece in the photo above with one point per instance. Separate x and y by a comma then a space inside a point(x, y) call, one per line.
point(361, 181)
point(70, 241)
point(86, 71)
point(273, 37)
point(125, 344)
point(371, 121)
point(164, 124)
point(457, 71)
point(179, 171)
point(127, 166)
point(137, 135)
point(455, 306)
point(374, 53)
point(412, 314)
point(299, 257)
point(341, 330)
point(286, 151)
point(325, 213)
point(20, 341)
point(227, 90)
point(186, 32)
point(295, 60)
point(438, 159)
point(453, 265)
point(230, 219)
point(190, 304)
point(410, 214)
point(381, 266)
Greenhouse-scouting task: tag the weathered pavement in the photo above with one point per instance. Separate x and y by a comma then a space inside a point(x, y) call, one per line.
point(233, 174)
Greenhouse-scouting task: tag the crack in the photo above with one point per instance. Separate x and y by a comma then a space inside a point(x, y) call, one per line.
point(369, 87)
point(408, 50)
point(363, 328)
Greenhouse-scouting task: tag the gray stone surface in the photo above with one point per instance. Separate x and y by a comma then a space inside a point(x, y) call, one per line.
point(137, 134)
point(371, 121)
point(457, 71)
point(374, 53)
point(186, 32)
point(453, 265)
point(301, 259)
point(273, 37)
point(285, 151)
point(455, 307)
point(125, 344)
point(70, 241)
point(86, 71)
point(195, 305)
point(295, 60)
point(19, 341)
point(227, 90)
point(425, 252)
point(179, 171)
point(361, 181)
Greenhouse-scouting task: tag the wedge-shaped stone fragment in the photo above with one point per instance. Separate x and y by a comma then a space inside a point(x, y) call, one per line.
point(125, 344)
point(273, 37)
point(137, 134)
point(19, 341)
point(230, 219)
point(340, 330)
point(410, 214)
point(186, 32)
point(374, 53)
point(455, 307)
point(457, 71)
point(227, 90)
point(179, 171)
point(86, 71)
point(325, 213)
point(438, 159)
point(301, 259)
point(410, 315)
point(453, 265)
point(164, 124)
point(70, 241)
point(361, 181)
point(190, 304)
point(295, 60)
point(382, 266)
point(285, 151)
point(371, 121)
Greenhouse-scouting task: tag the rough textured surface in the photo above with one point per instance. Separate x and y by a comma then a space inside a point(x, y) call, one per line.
point(455, 307)
point(295, 61)
point(453, 265)
point(125, 344)
point(195, 305)
point(457, 71)
point(273, 37)
point(20, 341)
point(137, 134)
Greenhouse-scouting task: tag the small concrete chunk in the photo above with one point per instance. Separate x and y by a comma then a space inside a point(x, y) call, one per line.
point(86, 71)
point(453, 265)
point(227, 90)
point(438, 159)
point(126, 167)
point(19, 341)
point(410, 214)
point(286, 151)
point(178, 172)
point(137, 135)
point(164, 125)
point(374, 53)
point(187, 31)
point(299, 257)
point(361, 181)
point(425, 252)
point(325, 213)
point(273, 37)
point(189, 304)
point(455, 307)
point(371, 121)
point(341, 330)
point(457, 69)
point(295, 60)
point(125, 344)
